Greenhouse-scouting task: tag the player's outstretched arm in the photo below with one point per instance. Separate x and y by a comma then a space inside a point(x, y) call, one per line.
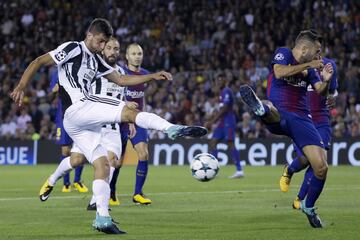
point(18, 93)
point(323, 87)
point(282, 71)
point(128, 80)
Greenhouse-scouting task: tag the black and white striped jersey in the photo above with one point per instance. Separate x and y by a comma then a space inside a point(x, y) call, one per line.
point(77, 69)
point(105, 87)
point(102, 86)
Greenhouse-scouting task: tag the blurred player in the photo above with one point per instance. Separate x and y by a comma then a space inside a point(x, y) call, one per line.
point(134, 57)
point(287, 113)
point(79, 64)
point(226, 126)
point(321, 119)
point(63, 139)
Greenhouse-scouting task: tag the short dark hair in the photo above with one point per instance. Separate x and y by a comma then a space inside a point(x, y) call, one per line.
point(309, 35)
point(101, 25)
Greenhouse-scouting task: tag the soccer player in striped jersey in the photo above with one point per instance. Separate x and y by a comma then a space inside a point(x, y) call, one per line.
point(111, 138)
point(321, 118)
point(287, 112)
point(63, 139)
point(139, 136)
point(79, 64)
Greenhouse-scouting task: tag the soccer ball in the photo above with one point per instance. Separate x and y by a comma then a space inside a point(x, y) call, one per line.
point(204, 167)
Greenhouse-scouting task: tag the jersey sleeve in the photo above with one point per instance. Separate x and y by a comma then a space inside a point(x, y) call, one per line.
point(333, 81)
point(281, 56)
point(313, 77)
point(226, 98)
point(121, 70)
point(103, 67)
point(65, 52)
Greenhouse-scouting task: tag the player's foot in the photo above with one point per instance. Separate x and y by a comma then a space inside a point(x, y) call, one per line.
point(45, 191)
point(91, 207)
point(237, 174)
point(106, 225)
point(141, 199)
point(178, 131)
point(250, 98)
point(297, 203)
point(310, 213)
point(80, 187)
point(114, 201)
point(66, 188)
point(285, 180)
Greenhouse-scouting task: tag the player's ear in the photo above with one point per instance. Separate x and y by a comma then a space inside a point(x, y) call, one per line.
point(304, 50)
point(89, 35)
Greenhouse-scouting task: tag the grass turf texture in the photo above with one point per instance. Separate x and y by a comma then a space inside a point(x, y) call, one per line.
point(183, 208)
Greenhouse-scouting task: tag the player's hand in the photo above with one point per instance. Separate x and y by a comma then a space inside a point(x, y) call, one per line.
point(17, 95)
point(319, 64)
point(327, 72)
point(208, 124)
point(132, 105)
point(330, 101)
point(162, 75)
point(132, 130)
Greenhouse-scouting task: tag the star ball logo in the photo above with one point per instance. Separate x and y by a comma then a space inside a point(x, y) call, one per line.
point(60, 55)
point(279, 56)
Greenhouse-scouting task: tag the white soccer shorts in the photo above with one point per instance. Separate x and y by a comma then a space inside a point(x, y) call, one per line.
point(84, 119)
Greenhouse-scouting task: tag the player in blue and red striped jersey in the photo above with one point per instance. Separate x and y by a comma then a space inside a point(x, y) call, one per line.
point(138, 136)
point(321, 118)
point(63, 139)
point(287, 112)
point(226, 119)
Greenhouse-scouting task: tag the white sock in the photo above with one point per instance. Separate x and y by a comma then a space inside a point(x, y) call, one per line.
point(101, 192)
point(63, 168)
point(151, 121)
point(112, 169)
point(93, 200)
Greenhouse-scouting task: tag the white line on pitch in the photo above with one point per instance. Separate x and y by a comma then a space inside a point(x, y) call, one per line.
point(178, 193)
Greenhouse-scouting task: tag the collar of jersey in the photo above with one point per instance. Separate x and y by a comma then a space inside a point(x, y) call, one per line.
point(85, 48)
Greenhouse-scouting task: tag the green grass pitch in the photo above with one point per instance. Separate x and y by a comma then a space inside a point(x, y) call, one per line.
point(183, 208)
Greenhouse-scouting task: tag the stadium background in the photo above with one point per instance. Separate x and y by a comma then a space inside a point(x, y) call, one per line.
point(195, 41)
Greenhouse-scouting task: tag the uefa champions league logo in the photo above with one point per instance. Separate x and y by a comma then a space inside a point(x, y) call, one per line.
point(60, 55)
point(279, 56)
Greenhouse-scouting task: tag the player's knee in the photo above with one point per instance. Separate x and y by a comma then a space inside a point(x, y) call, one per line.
point(77, 159)
point(321, 171)
point(128, 114)
point(143, 154)
point(113, 159)
point(65, 151)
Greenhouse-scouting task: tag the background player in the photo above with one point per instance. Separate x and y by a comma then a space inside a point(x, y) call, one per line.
point(63, 139)
point(226, 126)
point(292, 70)
point(138, 136)
point(79, 64)
point(321, 118)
